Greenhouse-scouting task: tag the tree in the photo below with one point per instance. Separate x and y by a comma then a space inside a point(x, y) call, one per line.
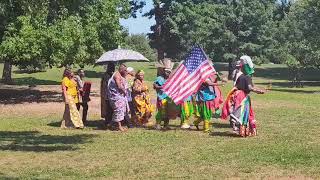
point(140, 43)
point(225, 28)
point(300, 40)
point(44, 33)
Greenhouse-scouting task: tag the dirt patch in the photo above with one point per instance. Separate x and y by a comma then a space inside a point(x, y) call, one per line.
point(40, 100)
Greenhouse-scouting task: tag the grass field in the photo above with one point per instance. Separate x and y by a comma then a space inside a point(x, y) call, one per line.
point(32, 146)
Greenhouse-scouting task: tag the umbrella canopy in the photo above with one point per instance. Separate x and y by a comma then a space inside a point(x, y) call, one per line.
point(121, 55)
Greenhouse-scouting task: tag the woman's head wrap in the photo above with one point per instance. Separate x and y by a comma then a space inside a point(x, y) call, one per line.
point(248, 66)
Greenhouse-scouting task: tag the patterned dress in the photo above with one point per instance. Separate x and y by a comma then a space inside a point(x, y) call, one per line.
point(71, 116)
point(142, 103)
point(118, 101)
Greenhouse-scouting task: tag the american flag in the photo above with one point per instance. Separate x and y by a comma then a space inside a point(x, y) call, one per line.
point(189, 76)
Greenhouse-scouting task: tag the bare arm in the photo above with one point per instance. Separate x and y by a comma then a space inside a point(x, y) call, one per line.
point(256, 90)
point(64, 89)
point(156, 86)
point(210, 83)
point(117, 79)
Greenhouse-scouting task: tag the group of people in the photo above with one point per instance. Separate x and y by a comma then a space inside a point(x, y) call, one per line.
point(125, 99)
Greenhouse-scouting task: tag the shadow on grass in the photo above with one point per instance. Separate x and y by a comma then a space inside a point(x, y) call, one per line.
point(34, 141)
point(219, 125)
point(3, 176)
point(296, 91)
point(18, 96)
point(276, 73)
point(93, 74)
point(96, 124)
point(290, 85)
point(31, 81)
point(224, 134)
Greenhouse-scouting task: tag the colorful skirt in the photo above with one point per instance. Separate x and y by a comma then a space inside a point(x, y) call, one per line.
point(238, 107)
point(166, 110)
point(205, 110)
point(71, 116)
point(187, 110)
point(143, 109)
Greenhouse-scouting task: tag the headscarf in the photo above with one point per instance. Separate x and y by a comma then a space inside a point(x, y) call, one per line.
point(248, 66)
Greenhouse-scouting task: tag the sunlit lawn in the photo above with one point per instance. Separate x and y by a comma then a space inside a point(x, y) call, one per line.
point(32, 146)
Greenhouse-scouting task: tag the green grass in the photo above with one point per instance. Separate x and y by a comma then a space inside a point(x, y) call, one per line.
point(53, 76)
point(288, 145)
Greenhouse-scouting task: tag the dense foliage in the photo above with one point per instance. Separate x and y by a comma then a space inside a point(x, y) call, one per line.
point(40, 33)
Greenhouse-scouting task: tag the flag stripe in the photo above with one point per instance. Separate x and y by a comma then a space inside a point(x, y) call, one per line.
point(186, 82)
point(178, 75)
point(182, 95)
point(187, 92)
point(189, 76)
point(191, 85)
point(175, 85)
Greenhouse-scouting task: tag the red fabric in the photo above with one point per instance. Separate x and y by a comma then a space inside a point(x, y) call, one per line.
point(219, 99)
point(227, 105)
point(235, 97)
point(86, 91)
point(252, 118)
point(238, 97)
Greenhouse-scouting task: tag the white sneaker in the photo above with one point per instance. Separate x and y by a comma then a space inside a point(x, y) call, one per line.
point(185, 126)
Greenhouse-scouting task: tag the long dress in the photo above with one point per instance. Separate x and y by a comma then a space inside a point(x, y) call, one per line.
point(118, 101)
point(142, 102)
point(71, 116)
point(238, 106)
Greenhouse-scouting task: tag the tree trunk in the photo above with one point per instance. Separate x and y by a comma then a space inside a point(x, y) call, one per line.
point(160, 54)
point(6, 75)
point(158, 18)
point(230, 70)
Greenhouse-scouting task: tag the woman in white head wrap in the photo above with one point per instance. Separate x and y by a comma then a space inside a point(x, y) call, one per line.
point(238, 103)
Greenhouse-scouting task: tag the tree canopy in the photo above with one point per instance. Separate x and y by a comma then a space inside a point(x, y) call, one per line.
point(41, 33)
point(224, 28)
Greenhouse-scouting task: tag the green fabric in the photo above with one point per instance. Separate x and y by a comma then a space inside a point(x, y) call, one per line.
point(160, 114)
point(187, 109)
point(203, 112)
point(164, 111)
point(248, 70)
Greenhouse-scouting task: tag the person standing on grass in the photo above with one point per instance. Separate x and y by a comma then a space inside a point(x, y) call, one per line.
point(208, 101)
point(166, 107)
point(84, 92)
point(106, 110)
point(71, 116)
point(117, 94)
point(130, 79)
point(142, 104)
point(238, 103)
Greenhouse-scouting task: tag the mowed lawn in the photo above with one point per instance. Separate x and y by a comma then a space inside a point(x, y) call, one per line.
point(32, 146)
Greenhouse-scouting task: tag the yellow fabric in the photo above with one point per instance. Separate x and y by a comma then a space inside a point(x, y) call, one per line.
point(71, 117)
point(142, 102)
point(71, 86)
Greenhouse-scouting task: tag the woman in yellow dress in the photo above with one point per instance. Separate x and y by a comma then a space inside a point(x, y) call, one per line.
point(71, 116)
point(141, 98)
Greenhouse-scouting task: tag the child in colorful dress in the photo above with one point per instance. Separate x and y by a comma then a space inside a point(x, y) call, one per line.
point(208, 101)
point(164, 103)
point(238, 103)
